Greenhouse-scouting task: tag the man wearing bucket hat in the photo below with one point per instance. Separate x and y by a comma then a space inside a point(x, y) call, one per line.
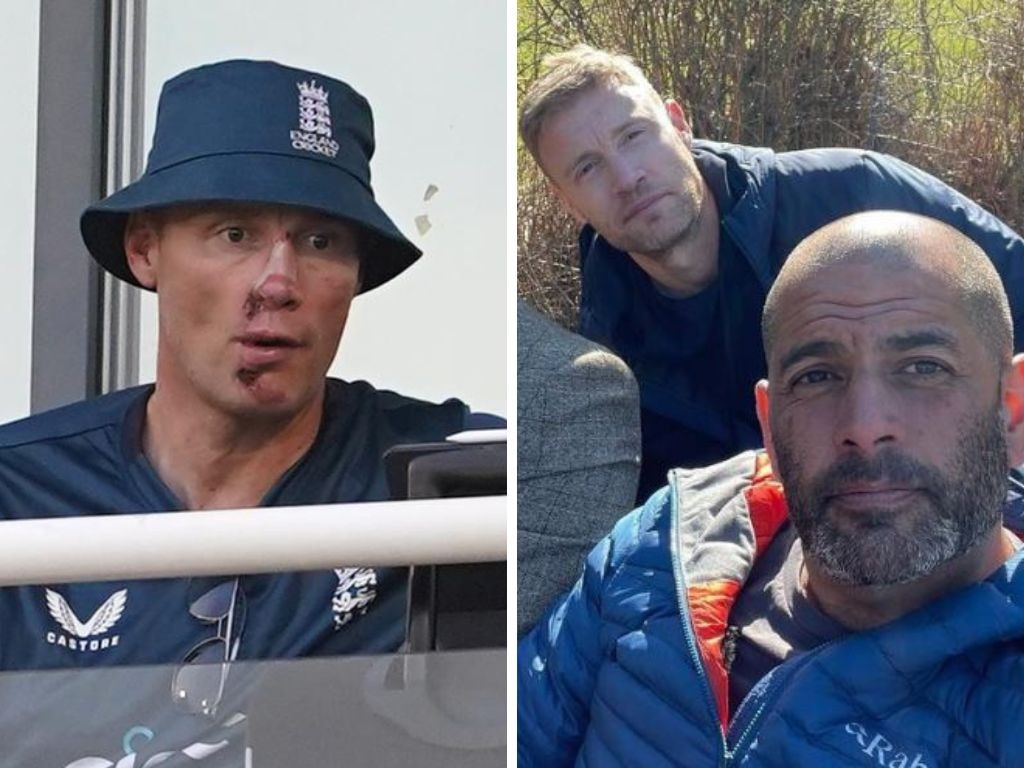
point(256, 225)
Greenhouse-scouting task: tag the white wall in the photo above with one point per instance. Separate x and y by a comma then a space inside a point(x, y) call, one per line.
point(435, 74)
point(19, 80)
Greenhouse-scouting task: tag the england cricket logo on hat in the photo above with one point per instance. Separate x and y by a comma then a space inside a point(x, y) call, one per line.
point(314, 133)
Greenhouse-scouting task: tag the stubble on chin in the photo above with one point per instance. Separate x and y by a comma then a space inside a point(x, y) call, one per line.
point(678, 220)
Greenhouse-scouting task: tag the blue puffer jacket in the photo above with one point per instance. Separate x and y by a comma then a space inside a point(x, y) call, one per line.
point(696, 406)
point(628, 671)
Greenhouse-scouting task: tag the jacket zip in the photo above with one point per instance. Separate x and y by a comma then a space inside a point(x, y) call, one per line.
point(691, 641)
point(752, 723)
point(780, 675)
point(726, 755)
point(735, 386)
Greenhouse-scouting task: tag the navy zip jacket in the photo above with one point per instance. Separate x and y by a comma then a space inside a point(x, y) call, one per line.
point(697, 403)
point(86, 459)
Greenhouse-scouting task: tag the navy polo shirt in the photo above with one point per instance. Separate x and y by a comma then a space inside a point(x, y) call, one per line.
point(86, 459)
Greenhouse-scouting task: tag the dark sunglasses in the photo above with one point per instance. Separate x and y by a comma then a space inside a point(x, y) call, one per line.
point(198, 683)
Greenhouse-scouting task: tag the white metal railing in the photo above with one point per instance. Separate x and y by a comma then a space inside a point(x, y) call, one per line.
point(263, 540)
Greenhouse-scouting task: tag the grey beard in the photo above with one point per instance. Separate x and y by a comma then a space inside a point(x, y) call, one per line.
point(960, 509)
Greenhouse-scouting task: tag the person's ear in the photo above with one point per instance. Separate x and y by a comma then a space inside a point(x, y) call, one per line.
point(1013, 410)
point(140, 248)
point(677, 116)
point(761, 405)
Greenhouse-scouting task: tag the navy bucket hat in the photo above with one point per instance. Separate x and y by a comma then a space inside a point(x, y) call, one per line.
point(260, 132)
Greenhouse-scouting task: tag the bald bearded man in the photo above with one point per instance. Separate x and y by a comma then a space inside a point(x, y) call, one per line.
point(849, 596)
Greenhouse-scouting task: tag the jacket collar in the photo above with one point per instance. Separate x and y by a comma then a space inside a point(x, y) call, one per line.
point(748, 212)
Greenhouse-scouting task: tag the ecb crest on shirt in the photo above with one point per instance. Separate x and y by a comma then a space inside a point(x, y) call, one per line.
point(357, 588)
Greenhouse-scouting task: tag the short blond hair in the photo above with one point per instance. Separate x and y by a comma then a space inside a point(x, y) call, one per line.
point(564, 77)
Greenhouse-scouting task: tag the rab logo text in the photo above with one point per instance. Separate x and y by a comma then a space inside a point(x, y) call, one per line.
point(84, 636)
point(882, 751)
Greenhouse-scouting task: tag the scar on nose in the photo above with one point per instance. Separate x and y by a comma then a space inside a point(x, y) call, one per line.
point(253, 304)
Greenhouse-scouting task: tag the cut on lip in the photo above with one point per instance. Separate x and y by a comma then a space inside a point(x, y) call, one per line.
point(269, 341)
